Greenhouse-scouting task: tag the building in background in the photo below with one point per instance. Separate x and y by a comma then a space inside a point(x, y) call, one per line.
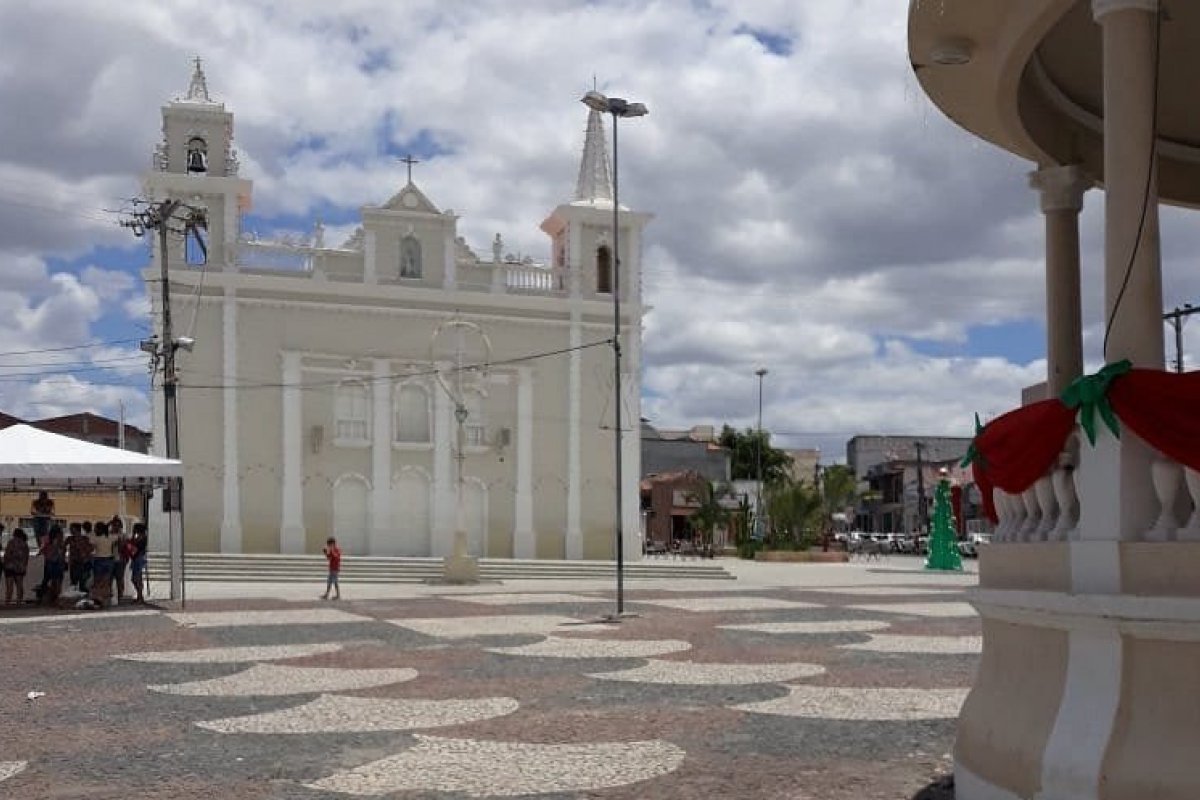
point(806, 464)
point(695, 450)
point(311, 404)
point(890, 476)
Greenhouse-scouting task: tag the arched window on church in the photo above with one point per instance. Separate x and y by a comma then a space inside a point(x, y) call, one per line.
point(410, 257)
point(351, 408)
point(604, 269)
point(411, 414)
point(197, 156)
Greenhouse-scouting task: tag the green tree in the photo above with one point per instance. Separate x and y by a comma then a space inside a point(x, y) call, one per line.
point(795, 512)
point(839, 491)
point(743, 447)
point(711, 512)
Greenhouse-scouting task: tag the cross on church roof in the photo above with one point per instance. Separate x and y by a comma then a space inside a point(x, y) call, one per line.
point(198, 88)
point(409, 161)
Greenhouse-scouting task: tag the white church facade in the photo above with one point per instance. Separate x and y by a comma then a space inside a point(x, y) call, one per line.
point(320, 395)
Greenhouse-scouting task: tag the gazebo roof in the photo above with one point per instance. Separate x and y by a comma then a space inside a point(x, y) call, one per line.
point(33, 458)
point(1026, 75)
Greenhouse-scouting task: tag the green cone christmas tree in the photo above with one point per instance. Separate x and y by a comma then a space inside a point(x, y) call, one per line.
point(943, 543)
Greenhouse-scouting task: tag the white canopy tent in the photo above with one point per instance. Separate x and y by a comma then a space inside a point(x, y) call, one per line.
point(31, 458)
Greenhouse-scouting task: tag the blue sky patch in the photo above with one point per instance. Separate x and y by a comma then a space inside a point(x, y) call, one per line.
point(774, 42)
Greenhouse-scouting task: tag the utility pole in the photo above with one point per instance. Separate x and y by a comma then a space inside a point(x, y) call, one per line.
point(158, 217)
point(921, 521)
point(1176, 319)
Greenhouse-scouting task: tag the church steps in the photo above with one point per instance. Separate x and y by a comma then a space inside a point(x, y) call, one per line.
point(381, 569)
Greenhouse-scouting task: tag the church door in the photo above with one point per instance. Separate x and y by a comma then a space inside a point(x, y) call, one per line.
point(350, 504)
point(410, 515)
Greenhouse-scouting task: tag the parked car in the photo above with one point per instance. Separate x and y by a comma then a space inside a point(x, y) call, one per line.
point(969, 547)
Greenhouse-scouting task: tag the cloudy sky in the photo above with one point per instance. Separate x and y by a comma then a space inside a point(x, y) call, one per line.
point(814, 213)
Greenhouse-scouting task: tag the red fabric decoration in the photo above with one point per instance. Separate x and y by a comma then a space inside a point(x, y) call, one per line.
point(1017, 448)
point(1163, 408)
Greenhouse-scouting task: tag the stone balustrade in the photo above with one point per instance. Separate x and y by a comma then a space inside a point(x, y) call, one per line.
point(1049, 510)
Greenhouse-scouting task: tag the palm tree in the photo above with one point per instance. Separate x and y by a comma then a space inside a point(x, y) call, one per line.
point(795, 511)
point(710, 512)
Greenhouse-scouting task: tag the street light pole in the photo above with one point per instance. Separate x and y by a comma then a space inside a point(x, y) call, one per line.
point(617, 107)
point(1176, 319)
point(921, 521)
point(761, 372)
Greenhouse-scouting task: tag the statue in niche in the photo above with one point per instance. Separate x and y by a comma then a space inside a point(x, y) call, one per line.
point(197, 155)
point(410, 257)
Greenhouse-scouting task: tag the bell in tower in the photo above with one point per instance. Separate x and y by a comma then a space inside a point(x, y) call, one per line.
point(197, 156)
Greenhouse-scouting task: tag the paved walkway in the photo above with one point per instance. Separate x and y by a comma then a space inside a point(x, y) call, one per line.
point(820, 682)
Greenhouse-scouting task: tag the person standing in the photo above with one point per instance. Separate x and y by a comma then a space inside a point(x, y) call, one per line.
point(53, 567)
point(16, 561)
point(102, 564)
point(121, 553)
point(42, 511)
point(333, 554)
point(139, 543)
point(77, 554)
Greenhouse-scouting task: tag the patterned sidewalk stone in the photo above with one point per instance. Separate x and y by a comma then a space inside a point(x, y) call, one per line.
point(562, 647)
point(232, 655)
point(886, 643)
point(727, 603)
point(837, 626)
point(920, 609)
point(337, 714)
point(885, 591)
point(697, 674)
point(497, 625)
point(875, 704)
point(270, 680)
point(10, 768)
point(308, 616)
point(526, 598)
point(507, 769)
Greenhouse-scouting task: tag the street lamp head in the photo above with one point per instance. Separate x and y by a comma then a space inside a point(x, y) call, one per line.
point(761, 371)
point(617, 106)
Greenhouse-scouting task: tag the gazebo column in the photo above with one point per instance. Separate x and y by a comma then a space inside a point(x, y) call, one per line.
point(1132, 269)
point(1117, 496)
point(1060, 190)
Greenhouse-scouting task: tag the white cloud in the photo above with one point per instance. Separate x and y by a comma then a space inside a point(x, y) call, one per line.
point(813, 211)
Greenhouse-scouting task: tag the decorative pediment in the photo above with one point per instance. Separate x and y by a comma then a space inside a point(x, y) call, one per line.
point(410, 198)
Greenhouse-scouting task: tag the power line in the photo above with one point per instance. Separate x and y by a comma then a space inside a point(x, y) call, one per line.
point(67, 347)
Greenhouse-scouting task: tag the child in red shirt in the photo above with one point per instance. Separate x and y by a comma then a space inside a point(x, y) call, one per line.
point(333, 554)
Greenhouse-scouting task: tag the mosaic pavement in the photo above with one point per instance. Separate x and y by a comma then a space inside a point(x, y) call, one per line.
point(788, 693)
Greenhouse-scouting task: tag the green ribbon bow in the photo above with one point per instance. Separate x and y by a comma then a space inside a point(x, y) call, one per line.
point(1089, 394)
point(973, 453)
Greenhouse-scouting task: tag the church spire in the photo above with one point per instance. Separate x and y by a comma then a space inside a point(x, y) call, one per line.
point(198, 89)
point(595, 178)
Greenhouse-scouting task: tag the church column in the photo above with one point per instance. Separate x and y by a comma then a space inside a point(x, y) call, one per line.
point(369, 266)
point(381, 541)
point(573, 546)
point(524, 540)
point(1061, 192)
point(231, 510)
point(291, 530)
point(450, 260)
point(443, 473)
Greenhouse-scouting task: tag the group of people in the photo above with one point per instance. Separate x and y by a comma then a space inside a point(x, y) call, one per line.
point(94, 557)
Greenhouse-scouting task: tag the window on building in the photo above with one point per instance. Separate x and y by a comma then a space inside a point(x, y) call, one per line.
point(475, 429)
point(351, 412)
point(411, 414)
point(604, 269)
point(410, 257)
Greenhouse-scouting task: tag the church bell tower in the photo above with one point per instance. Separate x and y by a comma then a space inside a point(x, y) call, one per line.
point(196, 164)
